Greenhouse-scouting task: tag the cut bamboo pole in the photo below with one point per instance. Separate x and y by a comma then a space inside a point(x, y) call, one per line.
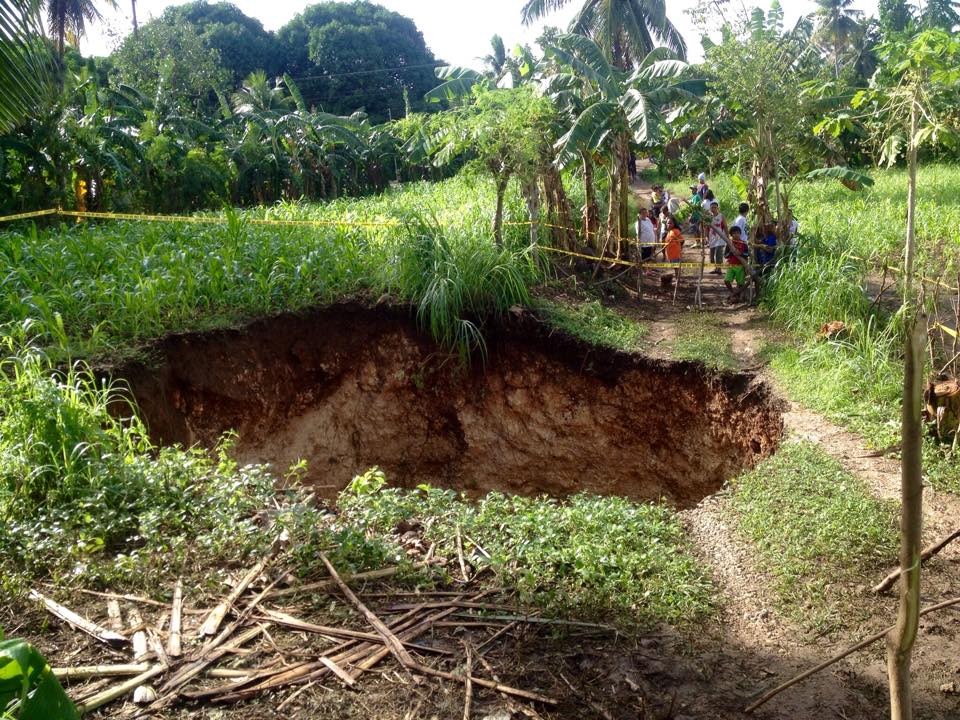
point(88, 672)
point(174, 648)
point(115, 616)
point(118, 691)
point(140, 648)
point(101, 634)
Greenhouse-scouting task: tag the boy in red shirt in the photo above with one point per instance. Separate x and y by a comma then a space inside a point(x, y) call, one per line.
point(737, 251)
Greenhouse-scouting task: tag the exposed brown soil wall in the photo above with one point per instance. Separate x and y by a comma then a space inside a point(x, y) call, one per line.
point(348, 387)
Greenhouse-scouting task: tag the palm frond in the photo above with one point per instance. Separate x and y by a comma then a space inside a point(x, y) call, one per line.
point(24, 61)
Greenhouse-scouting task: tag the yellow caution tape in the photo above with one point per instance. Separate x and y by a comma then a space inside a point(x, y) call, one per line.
point(947, 330)
point(630, 263)
point(220, 220)
point(26, 215)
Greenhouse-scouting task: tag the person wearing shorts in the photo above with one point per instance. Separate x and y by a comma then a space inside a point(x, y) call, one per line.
point(735, 270)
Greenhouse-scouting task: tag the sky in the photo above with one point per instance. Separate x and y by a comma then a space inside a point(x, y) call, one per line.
point(457, 31)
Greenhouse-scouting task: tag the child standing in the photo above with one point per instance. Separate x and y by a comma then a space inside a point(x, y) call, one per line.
point(674, 247)
point(741, 221)
point(716, 237)
point(646, 235)
point(735, 260)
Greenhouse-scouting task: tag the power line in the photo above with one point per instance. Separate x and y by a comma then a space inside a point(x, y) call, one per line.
point(369, 72)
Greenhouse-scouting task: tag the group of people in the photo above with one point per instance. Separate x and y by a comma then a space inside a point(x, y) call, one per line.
point(728, 244)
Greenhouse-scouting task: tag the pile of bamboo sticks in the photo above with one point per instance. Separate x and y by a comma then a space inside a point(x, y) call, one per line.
point(204, 656)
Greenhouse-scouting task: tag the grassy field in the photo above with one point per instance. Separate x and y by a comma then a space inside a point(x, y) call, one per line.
point(85, 289)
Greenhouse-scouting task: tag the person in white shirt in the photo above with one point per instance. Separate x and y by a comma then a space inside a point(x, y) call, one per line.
point(741, 222)
point(646, 235)
point(716, 237)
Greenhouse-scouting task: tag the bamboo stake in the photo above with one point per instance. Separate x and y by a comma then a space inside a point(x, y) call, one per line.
point(87, 672)
point(114, 615)
point(395, 646)
point(928, 553)
point(766, 697)
point(174, 648)
point(120, 690)
point(139, 637)
point(101, 634)
point(468, 684)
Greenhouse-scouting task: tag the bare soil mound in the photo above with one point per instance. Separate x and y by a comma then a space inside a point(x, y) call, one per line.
point(348, 387)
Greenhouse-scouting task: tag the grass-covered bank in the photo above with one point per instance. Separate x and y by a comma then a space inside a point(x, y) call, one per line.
point(87, 289)
point(817, 530)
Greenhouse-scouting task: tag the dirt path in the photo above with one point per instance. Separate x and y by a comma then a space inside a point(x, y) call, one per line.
point(746, 591)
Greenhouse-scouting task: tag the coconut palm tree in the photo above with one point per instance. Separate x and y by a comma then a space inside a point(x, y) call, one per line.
point(626, 30)
point(837, 25)
point(69, 17)
point(257, 95)
point(23, 67)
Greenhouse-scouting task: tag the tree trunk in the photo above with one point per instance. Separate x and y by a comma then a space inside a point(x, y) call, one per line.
point(133, 10)
point(624, 162)
point(558, 207)
point(591, 213)
point(531, 193)
point(613, 211)
point(502, 181)
point(901, 639)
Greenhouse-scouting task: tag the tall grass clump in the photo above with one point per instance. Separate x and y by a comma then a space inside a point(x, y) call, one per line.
point(457, 283)
point(816, 288)
point(93, 288)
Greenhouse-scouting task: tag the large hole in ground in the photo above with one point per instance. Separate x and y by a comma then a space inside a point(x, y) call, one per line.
point(348, 387)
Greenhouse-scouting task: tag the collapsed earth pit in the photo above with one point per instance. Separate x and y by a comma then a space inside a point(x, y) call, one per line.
point(348, 387)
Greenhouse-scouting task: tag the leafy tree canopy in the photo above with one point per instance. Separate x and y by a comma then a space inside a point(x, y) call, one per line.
point(244, 46)
point(349, 56)
point(171, 58)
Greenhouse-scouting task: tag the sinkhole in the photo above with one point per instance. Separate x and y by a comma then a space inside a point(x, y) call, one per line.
point(349, 386)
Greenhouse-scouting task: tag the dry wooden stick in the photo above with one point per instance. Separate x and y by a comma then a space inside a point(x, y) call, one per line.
point(468, 684)
point(329, 583)
point(86, 672)
point(396, 647)
point(108, 637)
point(212, 622)
point(763, 699)
point(927, 553)
point(294, 695)
point(174, 648)
point(342, 674)
point(120, 690)
point(115, 618)
point(139, 636)
point(463, 564)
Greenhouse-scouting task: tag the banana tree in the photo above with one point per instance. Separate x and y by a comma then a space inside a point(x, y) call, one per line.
point(619, 108)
